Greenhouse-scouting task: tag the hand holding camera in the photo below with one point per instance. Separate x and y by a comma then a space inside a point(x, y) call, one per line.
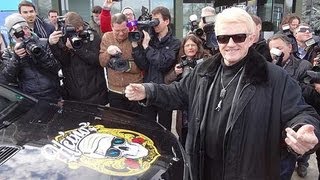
point(54, 37)
point(113, 50)
point(116, 61)
point(21, 52)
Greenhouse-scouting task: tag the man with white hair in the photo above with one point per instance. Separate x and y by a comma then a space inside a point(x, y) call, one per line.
point(243, 112)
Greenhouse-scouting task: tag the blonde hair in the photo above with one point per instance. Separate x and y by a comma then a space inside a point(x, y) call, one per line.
point(234, 15)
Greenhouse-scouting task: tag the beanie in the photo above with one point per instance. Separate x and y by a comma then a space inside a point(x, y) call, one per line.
point(14, 19)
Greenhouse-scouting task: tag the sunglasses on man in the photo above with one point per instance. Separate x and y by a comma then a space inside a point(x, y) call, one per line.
point(304, 29)
point(237, 38)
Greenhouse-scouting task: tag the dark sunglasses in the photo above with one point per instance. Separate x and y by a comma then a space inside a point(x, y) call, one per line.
point(237, 38)
point(304, 29)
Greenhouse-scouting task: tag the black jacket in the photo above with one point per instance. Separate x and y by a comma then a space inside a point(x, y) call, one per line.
point(262, 47)
point(297, 69)
point(158, 58)
point(83, 76)
point(36, 76)
point(266, 102)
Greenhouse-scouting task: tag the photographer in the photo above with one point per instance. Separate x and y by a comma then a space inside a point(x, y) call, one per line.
point(308, 45)
point(207, 20)
point(116, 56)
point(77, 48)
point(288, 24)
point(191, 53)
point(156, 55)
point(32, 65)
point(297, 69)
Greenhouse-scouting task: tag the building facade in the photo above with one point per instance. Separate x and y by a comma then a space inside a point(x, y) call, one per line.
point(270, 11)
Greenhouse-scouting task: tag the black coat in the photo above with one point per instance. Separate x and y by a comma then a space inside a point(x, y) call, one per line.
point(35, 75)
point(83, 76)
point(262, 47)
point(266, 102)
point(158, 58)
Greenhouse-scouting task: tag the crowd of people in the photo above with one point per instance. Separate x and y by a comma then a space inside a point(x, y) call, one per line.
point(248, 108)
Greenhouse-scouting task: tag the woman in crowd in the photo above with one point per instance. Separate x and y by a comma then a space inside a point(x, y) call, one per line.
point(190, 54)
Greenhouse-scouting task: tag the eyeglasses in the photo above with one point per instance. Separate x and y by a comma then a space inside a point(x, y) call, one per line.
point(190, 45)
point(304, 29)
point(237, 38)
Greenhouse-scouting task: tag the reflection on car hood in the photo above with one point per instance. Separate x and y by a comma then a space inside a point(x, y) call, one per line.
point(75, 140)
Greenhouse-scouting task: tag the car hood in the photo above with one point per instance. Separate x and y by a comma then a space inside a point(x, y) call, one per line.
point(72, 140)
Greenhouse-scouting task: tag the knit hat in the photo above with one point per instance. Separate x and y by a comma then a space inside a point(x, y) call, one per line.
point(14, 19)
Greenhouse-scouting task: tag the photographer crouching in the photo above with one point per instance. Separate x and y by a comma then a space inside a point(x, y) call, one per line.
point(77, 47)
point(31, 64)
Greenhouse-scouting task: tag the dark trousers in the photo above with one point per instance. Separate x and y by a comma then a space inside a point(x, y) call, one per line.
point(287, 165)
point(121, 102)
point(164, 116)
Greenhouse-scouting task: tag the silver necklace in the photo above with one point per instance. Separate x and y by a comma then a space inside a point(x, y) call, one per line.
point(224, 88)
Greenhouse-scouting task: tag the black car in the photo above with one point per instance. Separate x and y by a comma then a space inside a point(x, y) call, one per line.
point(73, 140)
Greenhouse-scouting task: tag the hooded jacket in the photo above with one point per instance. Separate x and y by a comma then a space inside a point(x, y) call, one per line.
point(266, 101)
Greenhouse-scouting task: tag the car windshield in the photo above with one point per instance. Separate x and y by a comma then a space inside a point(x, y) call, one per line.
point(12, 105)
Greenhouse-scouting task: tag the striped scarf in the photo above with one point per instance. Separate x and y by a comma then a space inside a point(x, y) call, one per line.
point(39, 28)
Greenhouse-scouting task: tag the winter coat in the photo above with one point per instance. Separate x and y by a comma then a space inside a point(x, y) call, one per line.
point(297, 69)
point(83, 76)
point(95, 26)
point(35, 75)
point(117, 81)
point(266, 101)
point(158, 58)
point(262, 47)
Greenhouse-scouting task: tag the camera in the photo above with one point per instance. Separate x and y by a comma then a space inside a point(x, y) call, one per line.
point(194, 27)
point(117, 63)
point(313, 75)
point(278, 56)
point(77, 39)
point(286, 29)
point(187, 65)
point(30, 44)
point(144, 22)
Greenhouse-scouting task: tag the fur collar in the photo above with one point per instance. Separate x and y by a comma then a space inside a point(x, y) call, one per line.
point(255, 67)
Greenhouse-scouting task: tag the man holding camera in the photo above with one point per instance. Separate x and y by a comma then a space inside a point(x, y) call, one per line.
point(77, 48)
point(32, 64)
point(156, 55)
point(116, 57)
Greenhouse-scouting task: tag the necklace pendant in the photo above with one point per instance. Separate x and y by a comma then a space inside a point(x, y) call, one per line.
point(218, 108)
point(223, 93)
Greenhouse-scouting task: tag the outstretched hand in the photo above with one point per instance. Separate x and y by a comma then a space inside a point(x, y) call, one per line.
point(303, 140)
point(135, 92)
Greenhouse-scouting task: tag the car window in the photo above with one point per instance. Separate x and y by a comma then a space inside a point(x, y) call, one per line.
point(12, 105)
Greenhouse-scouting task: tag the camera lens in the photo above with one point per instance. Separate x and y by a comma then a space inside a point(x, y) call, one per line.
point(135, 36)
